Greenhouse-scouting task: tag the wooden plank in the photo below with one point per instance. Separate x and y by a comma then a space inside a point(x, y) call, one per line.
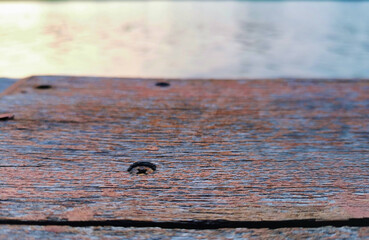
point(66, 232)
point(249, 150)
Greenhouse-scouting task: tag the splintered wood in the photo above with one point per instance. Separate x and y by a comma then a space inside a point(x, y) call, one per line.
point(247, 150)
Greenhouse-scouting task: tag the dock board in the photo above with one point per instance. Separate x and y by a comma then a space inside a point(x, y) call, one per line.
point(225, 151)
point(66, 232)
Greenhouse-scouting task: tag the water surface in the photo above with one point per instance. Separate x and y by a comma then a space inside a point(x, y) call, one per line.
point(230, 39)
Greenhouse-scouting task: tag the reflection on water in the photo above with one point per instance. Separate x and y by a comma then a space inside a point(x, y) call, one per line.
point(185, 39)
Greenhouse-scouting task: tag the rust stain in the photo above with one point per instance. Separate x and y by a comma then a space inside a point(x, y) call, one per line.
point(80, 214)
point(57, 229)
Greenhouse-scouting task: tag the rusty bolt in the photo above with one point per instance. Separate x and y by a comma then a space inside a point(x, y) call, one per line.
point(142, 168)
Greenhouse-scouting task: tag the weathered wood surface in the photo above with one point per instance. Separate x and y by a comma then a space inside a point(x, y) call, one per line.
point(65, 232)
point(231, 150)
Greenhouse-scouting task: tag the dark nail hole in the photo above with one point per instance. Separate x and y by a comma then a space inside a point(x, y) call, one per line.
point(142, 168)
point(162, 84)
point(6, 117)
point(44, 86)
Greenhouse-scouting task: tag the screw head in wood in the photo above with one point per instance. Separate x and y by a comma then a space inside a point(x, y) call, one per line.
point(43, 86)
point(142, 168)
point(162, 84)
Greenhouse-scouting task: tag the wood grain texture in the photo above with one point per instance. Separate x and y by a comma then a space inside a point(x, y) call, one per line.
point(65, 232)
point(234, 150)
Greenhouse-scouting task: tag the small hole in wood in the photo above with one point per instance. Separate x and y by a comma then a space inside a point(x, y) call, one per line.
point(162, 84)
point(142, 168)
point(44, 86)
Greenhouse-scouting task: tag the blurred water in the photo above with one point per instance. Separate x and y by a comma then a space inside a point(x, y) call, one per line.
point(229, 39)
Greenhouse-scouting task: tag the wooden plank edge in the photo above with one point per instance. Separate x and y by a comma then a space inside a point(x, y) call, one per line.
point(13, 87)
point(63, 232)
point(5, 83)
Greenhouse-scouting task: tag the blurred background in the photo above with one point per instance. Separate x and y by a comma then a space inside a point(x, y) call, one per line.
point(185, 39)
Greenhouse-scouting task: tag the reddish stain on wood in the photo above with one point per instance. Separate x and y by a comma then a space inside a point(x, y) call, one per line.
point(233, 150)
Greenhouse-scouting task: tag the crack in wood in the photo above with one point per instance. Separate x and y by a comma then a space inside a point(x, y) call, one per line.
point(201, 224)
